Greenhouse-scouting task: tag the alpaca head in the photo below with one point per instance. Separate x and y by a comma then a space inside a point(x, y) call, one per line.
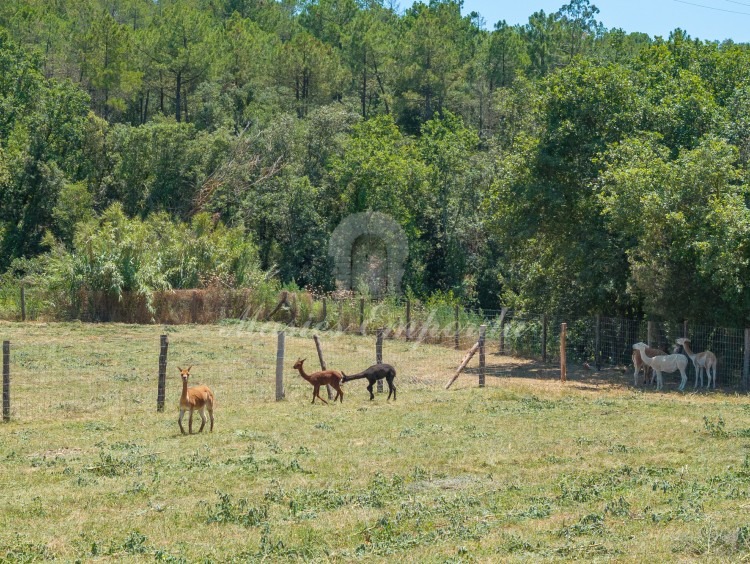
point(185, 374)
point(298, 364)
point(640, 346)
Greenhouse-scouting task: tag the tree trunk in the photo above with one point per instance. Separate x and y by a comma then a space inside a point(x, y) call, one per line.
point(178, 98)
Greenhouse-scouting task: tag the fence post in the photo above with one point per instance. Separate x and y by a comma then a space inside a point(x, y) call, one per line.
point(501, 344)
point(280, 367)
point(379, 355)
point(482, 333)
point(650, 334)
point(322, 363)
point(408, 319)
point(544, 338)
point(746, 362)
point(597, 342)
point(339, 326)
point(563, 359)
point(23, 302)
point(6, 380)
point(362, 329)
point(162, 385)
point(456, 330)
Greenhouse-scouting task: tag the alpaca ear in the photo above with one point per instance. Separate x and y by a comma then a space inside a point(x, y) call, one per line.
point(189, 367)
point(180, 369)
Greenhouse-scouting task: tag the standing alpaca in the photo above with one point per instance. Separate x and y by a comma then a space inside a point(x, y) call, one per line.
point(703, 361)
point(318, 379)
point(373, 374)
point(638, 364)
point(664, 363)
point(197, 397)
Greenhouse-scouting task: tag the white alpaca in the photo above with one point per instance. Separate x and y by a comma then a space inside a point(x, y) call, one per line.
point(638, 364)
point(664, 363)
point(703, 361)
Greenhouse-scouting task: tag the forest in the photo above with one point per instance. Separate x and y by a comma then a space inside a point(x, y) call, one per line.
point(555, 166)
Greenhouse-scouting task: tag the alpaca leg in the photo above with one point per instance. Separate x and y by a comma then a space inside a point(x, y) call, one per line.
point(339, 393)
point(391, 389)
point(203, 419)
point(659, 381)
point(369, 389)
point(179, 420)
point(316, 392)
point(190, 422)
point(211, 416)
point(683, 380)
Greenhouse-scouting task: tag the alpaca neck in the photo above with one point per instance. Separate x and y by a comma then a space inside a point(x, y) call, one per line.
point(302, 373)
point(184, 390)
point(688, 351)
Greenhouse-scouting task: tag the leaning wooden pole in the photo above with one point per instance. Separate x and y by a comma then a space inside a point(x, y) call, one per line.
point(482, 333)
point(464, 362)
point(323, 366)
point(563, 358)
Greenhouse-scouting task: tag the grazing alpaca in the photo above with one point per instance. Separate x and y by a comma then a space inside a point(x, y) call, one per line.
point(373, 374)
point(638, 364)
point(703, 361)
point(197, 397)
point(664, 363)
point(318, 379)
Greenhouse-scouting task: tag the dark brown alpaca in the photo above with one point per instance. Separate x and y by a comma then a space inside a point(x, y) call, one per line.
point(322, 378)
point(373, 374)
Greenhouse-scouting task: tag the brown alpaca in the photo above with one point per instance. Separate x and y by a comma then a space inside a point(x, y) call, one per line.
point(197, 397)
point(318, 379)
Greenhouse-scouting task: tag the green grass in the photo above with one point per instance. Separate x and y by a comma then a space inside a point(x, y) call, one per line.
point(524, 469)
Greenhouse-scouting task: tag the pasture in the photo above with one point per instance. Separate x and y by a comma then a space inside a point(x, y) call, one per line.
point(525, 468)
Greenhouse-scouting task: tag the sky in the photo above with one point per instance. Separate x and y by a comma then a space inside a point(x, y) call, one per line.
point(714, 20)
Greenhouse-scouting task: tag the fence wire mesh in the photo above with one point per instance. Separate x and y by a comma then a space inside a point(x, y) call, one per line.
point(110, 371)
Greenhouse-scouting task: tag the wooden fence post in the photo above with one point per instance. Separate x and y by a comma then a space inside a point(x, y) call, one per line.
point(162, 384)
point(322, 363)
point(362, 329)
point(408, 319)
point(501, 339)
point(482, 332)
point(339, 326)
point(544, 338)
point(597, 342)
point(23, 302)
point(456, 329)
point(650, 334)
point(746, 362)
point(6, 380)
point(563, 359)
point(379, 355)
point(280, 367)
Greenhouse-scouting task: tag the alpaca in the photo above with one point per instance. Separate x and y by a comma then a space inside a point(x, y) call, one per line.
point(197, 397)
point(638, 364)
point(703, 361)
point(373, 374)
point(664, 363)
point(321, 378)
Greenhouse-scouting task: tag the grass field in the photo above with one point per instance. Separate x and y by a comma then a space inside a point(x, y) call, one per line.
point(524, 469)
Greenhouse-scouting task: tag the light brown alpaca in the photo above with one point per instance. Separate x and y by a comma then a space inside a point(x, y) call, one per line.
point(703, 361)
point(197, 397)
point(318, 379)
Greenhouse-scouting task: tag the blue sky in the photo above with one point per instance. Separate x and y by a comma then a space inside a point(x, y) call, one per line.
point(705, 19)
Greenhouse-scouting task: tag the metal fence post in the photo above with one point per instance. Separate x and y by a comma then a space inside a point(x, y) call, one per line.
point(280, 367)
point(162, 384)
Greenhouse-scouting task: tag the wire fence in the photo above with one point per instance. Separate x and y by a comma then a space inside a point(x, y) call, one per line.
point(110, 370)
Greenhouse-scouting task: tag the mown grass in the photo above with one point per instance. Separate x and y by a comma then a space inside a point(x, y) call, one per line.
point(525, 469)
